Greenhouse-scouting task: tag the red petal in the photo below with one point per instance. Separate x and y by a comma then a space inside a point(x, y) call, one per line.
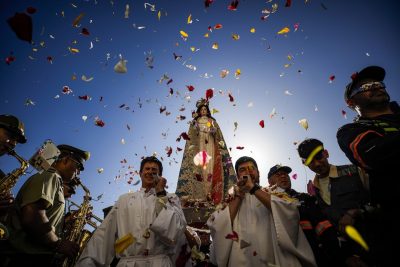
point(240, 147)
point(234, 236)
point(231, 99)
point(190, 88)
point(209, 94)
point(85, 31)
point(261, 123)
point(31, 10)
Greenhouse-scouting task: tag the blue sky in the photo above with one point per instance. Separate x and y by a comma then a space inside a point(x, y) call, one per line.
point(333, 38)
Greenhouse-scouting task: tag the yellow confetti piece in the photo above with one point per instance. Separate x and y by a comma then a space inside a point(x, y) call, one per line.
point(237, 73)
point(206, 35)
point(235, 36)
point(253, 30)
point(189, 19)
point(289, 57)
point(77, 19)
point(73, 77)
point(304, 123)
point(184, 34)
point(215, 46)
point(355, 235)
point(123, 243)
point(284, 30)
point(214, 111)
point(42, 43)
point(193, 48)
point(287, 65)
point(73, 50)
point(34, 49)
point(159, 15)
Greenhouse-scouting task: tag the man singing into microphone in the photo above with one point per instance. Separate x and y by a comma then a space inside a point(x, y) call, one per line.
point(142, 227)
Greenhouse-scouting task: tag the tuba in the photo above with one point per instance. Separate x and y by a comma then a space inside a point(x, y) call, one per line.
point(76, 232)
point(9, 181)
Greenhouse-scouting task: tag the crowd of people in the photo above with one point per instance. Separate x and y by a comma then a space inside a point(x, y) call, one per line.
point(254, 225)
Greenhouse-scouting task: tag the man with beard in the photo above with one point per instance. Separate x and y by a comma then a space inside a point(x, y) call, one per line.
point(372, 142)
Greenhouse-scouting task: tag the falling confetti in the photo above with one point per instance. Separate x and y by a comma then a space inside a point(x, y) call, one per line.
point(86, 79)
point(261, 123)
point(98, 122)
point(126, 11)
point(120, 67)
point(223, 73)
point(344, 114)
point(238, 72)
point(355, 235)
point(66, 90)
point(100, 170)
point(184, 35)
point(284, 30)
point(303, 123)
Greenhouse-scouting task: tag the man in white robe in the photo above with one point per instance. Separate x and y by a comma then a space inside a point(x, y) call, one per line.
point(257, 228)
point(153, 218)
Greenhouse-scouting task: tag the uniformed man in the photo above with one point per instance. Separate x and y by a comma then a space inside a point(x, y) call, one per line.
point(11, 133)
point(319, 231)
point(37, 223)
point(372, 142)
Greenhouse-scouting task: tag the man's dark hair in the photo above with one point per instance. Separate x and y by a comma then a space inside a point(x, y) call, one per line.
point(307, 146)
point(243, 160)
point(151, 159)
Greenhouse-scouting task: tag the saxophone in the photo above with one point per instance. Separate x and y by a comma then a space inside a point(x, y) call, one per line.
point(77, 234)
point(9, 181)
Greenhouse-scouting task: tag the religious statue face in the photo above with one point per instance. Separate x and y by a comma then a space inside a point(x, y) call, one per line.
point(203, 111)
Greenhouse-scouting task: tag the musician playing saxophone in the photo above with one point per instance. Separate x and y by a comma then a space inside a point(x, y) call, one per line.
point(12, 131)
point(36, 226)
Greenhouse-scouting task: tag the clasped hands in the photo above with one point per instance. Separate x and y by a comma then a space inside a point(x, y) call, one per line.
point(243, 186)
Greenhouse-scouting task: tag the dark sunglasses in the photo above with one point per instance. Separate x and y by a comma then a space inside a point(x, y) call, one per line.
point(367, 87)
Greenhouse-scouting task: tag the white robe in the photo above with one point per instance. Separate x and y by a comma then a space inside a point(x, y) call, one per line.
point(134, 213)
point(265, 238)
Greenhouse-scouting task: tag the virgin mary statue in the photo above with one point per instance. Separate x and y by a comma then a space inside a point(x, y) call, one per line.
point(206, 172)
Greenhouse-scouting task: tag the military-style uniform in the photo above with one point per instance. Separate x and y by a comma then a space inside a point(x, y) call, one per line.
point(373, 144)
point(45, 186)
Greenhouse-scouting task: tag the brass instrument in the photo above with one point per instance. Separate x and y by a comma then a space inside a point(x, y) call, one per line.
point(9, 181)
point(76, 232)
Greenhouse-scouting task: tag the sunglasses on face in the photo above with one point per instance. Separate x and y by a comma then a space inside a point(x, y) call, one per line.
point(367, 87)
